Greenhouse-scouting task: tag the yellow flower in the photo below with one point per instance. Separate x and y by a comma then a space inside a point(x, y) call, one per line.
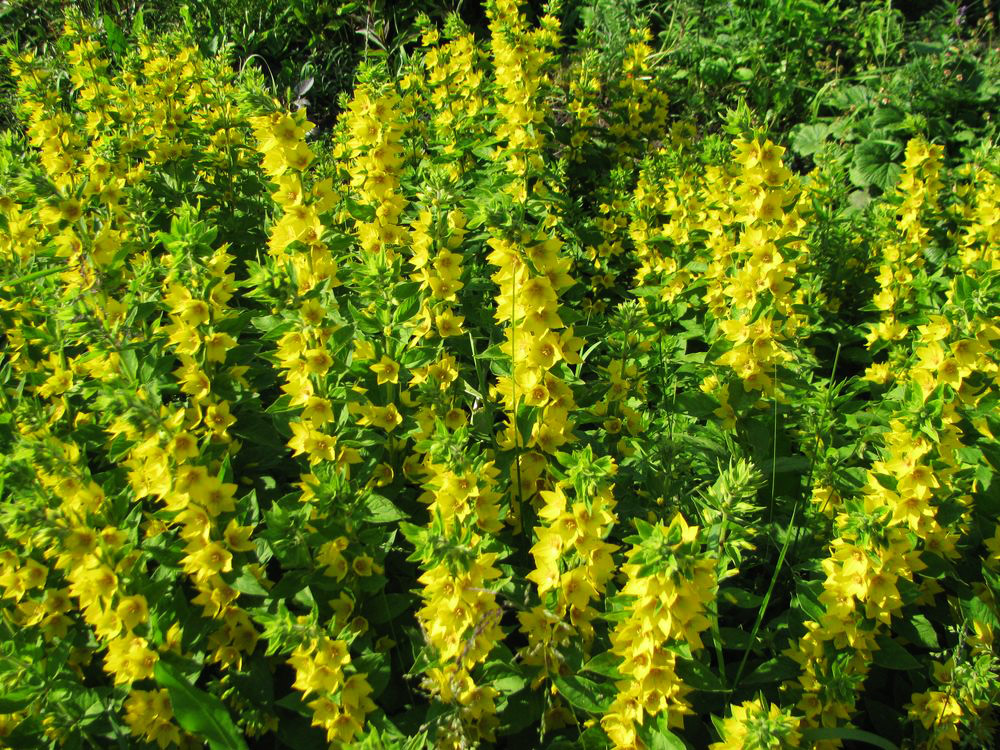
point(133, 611)
point(362, 565)
point(363, 350)
point(129, 659)
point(318, 411)
point(218, 419)
point(216, 346)
point(205, 560)
point(238, 537)
point(386, 370)
point(182, 447)
point(757, 725)
point(449, 324)
point(318, 361)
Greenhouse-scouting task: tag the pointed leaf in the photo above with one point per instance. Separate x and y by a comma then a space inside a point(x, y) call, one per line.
point(199, 712)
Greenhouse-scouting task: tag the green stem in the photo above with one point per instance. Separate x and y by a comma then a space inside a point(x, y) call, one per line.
point(819, 423)
point(716, 632)
point(767, 599)
point(36, 275)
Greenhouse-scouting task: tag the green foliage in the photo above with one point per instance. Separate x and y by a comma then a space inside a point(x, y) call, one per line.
point(537, 398)
point(774, 55)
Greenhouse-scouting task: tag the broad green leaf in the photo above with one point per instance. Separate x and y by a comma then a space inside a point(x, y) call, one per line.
point(382, 510)
point(696, 403)
point(891, 655)
point(585, 694)
point(408, 307)
point(810, 139)
point(918, 629)
point(887, 117)
point(504, 676)
point(664, 739)
point(847, 733)
point(699, 676)
point(376, 668)
point(116, 39)
point(978, 611)
point(16, 700)
point(385, 608)
point(594, 739)
point(199, 712)
point(772, 671)
point(522, 709)
point(874, 164)
point(360, 211)
point(606, 664)
point(247, 584)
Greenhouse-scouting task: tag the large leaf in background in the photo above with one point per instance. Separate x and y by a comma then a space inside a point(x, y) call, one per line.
point(874, 164)
point(888, 117)
point(199, 712)
point(851, 96)
point(810, 139)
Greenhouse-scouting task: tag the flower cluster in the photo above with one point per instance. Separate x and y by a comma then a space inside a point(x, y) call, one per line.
point(669, 584)
point(460, 616)
point(509, 410)
point(573, 562)
point(757, 725)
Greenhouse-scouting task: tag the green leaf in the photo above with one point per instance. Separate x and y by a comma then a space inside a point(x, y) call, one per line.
point(15, 701)
point(810, 139)
point(736, 638)
point(418, 356)
point(130, 363)
point(116, 39)
point(199, 712)
point(664, 739)
point(791, 465)
point(964, 289)
point(522, 709)
point(247, 584)
point(893, 656)
point(917, 629)
point(594, 739)
point(606, 664)
point(585, 694)
point(298, 733)
point(359, 211)
point(385, 608)
point(978, 611)
point(35, 276)
point(408, 306)
point(375, 666)
point(887, 117)
point(696, 403)
point(381, 509)
point(846, 733)
point(714, 70)
point(874, 164)
point(139, 23)
point(699, 676)
point(504, 676)
point(779, 669)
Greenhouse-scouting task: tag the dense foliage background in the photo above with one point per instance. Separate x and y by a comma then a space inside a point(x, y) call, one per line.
point(582, 374)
